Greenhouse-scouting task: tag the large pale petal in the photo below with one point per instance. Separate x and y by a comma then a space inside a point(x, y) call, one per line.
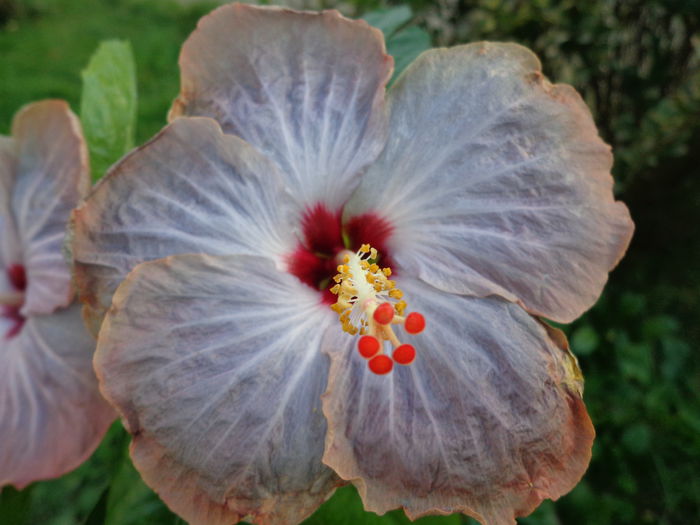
point(51, 176)
point(496, 182)
point(487, 421)
point(214, 363)
point(52, 415)
point(307, 89)
point(191, 189)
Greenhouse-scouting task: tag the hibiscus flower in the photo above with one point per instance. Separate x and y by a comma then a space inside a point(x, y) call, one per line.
point(257, 215)
point(52, 415)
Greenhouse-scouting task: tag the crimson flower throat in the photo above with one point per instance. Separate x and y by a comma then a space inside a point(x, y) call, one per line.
point(368, 302)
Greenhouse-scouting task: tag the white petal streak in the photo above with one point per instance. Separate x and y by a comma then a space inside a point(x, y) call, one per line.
point(496, 182)
point(192, 189)
point(52, 415)
point(486, 421)
point(214, 362)
point(307, 89)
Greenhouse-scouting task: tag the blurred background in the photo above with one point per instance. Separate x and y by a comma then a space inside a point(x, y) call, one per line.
point(637, 64)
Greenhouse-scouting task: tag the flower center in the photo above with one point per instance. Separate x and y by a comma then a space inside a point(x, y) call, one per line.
point(325, 236)
point(11, 301)
point(369, 304)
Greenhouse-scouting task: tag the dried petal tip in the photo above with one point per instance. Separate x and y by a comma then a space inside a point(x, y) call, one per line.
point(369, 303)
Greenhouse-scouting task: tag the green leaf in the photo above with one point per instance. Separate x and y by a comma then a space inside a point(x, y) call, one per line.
point(125, 499)
point(132, 502)
point(99, 511)
point(403, 42)
point(584, 340)
point(635, 361)
point(637, 438)
point(15, 505)
point(345, 508)
point(389, 20)
point(108, 104)
point(406, 45)
point(543, 515)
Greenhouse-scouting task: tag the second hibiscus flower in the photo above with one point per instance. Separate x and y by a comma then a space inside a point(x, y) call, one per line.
point(486, 191)
point(51, 413)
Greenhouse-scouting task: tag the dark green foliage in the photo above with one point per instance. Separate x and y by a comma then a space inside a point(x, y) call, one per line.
point(345, 508)
point(643, 394)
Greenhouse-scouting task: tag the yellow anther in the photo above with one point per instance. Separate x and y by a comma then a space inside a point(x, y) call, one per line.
point(337, 308)
point(348, 288)
point(347, 327)
point(361, 287)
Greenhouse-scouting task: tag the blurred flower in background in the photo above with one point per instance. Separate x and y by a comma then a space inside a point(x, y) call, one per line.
point(52, 416)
